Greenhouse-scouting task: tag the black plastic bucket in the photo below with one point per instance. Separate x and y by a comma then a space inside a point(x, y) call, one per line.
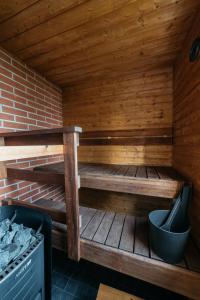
point(168, 245)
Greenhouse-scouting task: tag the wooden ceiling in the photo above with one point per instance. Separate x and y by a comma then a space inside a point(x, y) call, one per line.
point(70, 41)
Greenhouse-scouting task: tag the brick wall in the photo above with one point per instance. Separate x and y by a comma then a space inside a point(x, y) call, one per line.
point(27, 101)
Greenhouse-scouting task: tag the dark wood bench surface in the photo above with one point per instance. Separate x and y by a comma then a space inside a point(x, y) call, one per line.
point(119, 231)
point(144, 180)
point(121, 242)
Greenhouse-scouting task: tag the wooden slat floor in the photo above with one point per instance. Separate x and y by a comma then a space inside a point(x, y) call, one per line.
point(120, 231)
point(144, 180)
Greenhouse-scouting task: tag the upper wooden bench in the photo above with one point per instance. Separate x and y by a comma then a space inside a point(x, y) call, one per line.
point(151, 181)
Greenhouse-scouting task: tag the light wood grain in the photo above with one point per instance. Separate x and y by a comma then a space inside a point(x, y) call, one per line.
point(20, 152)
point(138, 102)
point(107, 293)
point(3, 171)
point(74, 41)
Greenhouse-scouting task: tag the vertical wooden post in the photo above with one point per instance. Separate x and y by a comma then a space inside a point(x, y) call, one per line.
point(71, 142)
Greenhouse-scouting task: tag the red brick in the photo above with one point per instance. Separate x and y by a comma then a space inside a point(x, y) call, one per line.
point(35, 186)
point(36, 105)
point(35, 81)
point(32, 127)
point(6, 87)
point(24, 95)
point(9, 95)
point(14, 111)
point(35, 94)
point(25, 120)
point(5, 72)
point(5, 130)
point(4, 56)
point(12, 83)
point(38, 162)
point(43, 113)
point(52, 121)
point(24, 184)
point(42, 124)
point(18, 192)
point(22, 68)
point(15, 125)
point(20, 99)
point(6, 102)
point(12, 68)
point(8, 189)
point(43, 91)
point(6, 117)
point(22, 109)
point(21, 165)
point(36, 117)
point(25, 107)
point(23, 82)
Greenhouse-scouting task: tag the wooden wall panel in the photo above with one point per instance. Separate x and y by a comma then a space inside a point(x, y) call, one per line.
point(186, 155)
point(140, 101)
point(136, 205)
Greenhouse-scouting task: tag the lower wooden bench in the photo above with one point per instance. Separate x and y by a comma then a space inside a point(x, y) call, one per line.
point(107, 293)
point(121, 242)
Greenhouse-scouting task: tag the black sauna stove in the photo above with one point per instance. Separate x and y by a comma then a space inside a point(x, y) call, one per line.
point(28, 275)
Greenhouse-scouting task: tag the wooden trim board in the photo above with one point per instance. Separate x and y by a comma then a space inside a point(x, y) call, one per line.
point(108, 293)
point(21, 152)
point(156, 188)
point(3, 170)
point(167, 276)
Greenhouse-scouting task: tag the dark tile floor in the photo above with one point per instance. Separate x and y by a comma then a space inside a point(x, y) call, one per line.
point(80, 281)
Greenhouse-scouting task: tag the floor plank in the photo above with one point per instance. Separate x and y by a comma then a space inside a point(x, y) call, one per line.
point(114, 235)
point(141, 172)
point(86, 215)
point(93, 225)
point(128, 232)
point(104, 227)
point(141, 237)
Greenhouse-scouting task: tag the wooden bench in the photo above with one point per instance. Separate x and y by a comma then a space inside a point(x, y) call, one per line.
point(121, 242)
point(151, 181)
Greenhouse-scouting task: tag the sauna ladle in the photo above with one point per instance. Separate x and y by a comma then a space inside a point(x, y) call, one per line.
point(177, 220)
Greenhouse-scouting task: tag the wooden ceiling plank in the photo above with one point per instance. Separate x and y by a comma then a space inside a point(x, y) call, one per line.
point(78, 16)
point(109, 64)
point(34, 15)
point(95, 32)
point(74, 41)
point(89, 30)
point(125, 49)
point(8, 9)
point(115, 39)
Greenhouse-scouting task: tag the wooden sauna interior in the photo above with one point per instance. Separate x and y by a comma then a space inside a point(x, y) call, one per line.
point(124, 69)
